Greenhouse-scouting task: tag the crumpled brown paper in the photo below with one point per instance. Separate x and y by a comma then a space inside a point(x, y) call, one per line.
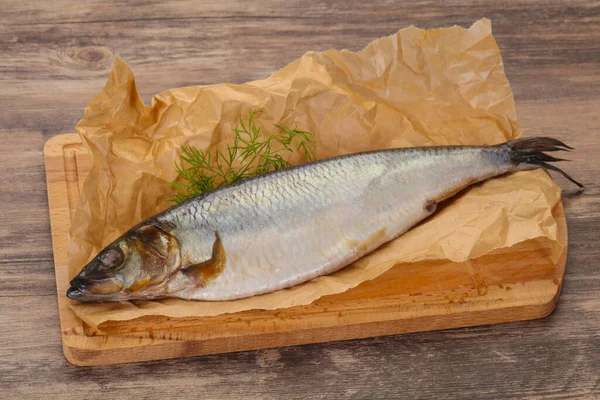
point(415, 88)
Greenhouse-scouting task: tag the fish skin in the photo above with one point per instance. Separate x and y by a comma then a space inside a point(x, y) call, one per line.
point(287, 227)
point(294, 225)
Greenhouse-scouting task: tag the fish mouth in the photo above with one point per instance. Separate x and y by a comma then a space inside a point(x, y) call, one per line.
point(82, 294)
point(75, 293)
point(84, 290)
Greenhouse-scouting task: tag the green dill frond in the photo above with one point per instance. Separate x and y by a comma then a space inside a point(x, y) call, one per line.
point(249, 155)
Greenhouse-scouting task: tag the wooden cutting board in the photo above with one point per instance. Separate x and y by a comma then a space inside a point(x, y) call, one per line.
point(509, 285)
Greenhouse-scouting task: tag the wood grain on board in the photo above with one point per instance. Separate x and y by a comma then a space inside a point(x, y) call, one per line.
point(57, 55)
point(502, 286)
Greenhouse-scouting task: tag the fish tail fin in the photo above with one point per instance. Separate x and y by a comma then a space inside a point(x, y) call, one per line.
point(528, 153)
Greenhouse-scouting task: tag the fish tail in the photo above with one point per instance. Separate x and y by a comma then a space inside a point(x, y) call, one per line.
point(529, 153)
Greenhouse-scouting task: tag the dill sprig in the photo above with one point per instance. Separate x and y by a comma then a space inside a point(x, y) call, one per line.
point(249, 155)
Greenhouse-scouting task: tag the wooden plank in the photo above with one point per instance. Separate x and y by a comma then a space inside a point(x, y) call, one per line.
point(508, 285)
point(240, 42)
point(551, 57)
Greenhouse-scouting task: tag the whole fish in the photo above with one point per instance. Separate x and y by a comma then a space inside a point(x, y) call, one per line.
point(292, 225)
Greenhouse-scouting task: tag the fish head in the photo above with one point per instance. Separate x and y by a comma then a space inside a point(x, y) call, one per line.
point(138, 265)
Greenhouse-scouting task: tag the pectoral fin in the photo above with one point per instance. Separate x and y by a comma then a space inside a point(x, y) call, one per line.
point(210, 269)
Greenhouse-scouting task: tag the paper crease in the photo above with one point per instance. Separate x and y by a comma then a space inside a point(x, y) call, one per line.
point(415, 88)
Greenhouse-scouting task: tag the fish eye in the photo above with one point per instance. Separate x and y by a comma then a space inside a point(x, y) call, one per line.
point(112, 257)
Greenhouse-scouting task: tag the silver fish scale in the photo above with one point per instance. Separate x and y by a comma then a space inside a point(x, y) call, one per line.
point(293, 225)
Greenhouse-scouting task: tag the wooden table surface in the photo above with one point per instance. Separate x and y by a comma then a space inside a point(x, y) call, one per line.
point(56, 56)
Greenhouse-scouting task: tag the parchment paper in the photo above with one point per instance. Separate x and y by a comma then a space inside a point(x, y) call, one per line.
point(415, 88)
